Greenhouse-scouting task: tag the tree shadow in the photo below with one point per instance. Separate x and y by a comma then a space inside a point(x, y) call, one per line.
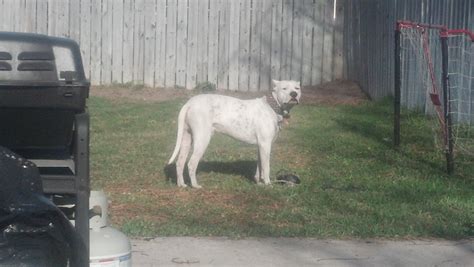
point(360, 126)
point(244, 168)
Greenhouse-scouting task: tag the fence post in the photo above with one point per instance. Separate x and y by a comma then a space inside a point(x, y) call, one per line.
point(446, 102)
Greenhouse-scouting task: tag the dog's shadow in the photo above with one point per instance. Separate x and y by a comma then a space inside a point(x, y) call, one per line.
point(244, 168)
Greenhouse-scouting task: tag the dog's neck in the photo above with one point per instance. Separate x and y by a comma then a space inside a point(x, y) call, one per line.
point(277, 107)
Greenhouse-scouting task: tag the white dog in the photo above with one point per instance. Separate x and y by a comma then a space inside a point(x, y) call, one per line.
point(255, 121)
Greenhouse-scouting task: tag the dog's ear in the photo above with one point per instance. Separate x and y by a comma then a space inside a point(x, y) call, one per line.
point(275, 84)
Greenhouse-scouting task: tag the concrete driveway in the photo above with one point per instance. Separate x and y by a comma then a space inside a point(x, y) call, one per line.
point(191, 251)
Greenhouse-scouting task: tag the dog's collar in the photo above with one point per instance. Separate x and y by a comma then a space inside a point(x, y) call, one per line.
point(277, 107)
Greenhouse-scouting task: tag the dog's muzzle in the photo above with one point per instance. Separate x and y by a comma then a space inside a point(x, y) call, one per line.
point(294, 99)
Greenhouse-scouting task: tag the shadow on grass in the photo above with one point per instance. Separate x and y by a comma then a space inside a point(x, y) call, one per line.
point(377, 125)
point(245, 168)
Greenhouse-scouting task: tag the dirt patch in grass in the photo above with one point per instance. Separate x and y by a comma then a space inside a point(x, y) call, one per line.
point(340, 92)
point(331, 93)
point(144, 94)
point(160, 205)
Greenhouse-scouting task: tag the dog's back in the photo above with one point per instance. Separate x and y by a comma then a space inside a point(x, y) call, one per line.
point(232, 116)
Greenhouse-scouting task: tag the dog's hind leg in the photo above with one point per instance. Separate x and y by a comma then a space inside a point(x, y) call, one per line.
point(182, 156)
point(201, 140)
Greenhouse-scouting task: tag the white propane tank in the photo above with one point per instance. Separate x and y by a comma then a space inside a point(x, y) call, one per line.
point(108, 246)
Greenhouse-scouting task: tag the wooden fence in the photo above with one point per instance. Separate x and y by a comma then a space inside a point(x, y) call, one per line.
point(233, 44)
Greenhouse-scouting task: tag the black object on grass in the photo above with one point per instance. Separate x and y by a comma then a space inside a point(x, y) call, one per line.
point(287, 178)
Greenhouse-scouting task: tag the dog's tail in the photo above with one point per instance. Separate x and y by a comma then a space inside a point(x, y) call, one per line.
point(181, 118)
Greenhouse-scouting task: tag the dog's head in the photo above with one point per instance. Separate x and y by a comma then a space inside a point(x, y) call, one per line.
point(286, 93)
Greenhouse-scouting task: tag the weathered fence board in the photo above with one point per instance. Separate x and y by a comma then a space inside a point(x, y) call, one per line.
point(266, 45)
point(30, 10)
point(244, 43)
point(328, 43)
point(202, 45)
point(286, 41)
point(170, 67)
point(192, 48)
point(307, 16)
point(338, 50)
point(42, 15)
point(223, 55)
point(234, 29)
point(297, 40)
point(85, 34)
point(139, 42)
point(255, 45)
point(213, 41)
point(149, 44)
point(318, 31)
point(117, 43)
point(107, 30)
point(74, 21)
point(160, 44)
point(96, 45)
point(276, 46)
point(233, 44)
point(128, 29)
point(181, 43)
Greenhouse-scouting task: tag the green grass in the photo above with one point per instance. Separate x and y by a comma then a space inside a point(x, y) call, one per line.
point(354, 184)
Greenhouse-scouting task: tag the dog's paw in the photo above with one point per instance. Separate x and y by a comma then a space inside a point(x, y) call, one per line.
point(182, 185)
point(196, 186)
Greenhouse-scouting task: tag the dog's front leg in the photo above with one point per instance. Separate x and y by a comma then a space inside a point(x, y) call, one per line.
point(264, 150)
point(258, 175)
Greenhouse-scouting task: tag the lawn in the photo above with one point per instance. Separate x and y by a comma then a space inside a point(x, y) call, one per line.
point(354, 184)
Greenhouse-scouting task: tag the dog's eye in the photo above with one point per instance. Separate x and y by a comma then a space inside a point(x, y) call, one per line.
point(297, 88)
point(284, 88)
